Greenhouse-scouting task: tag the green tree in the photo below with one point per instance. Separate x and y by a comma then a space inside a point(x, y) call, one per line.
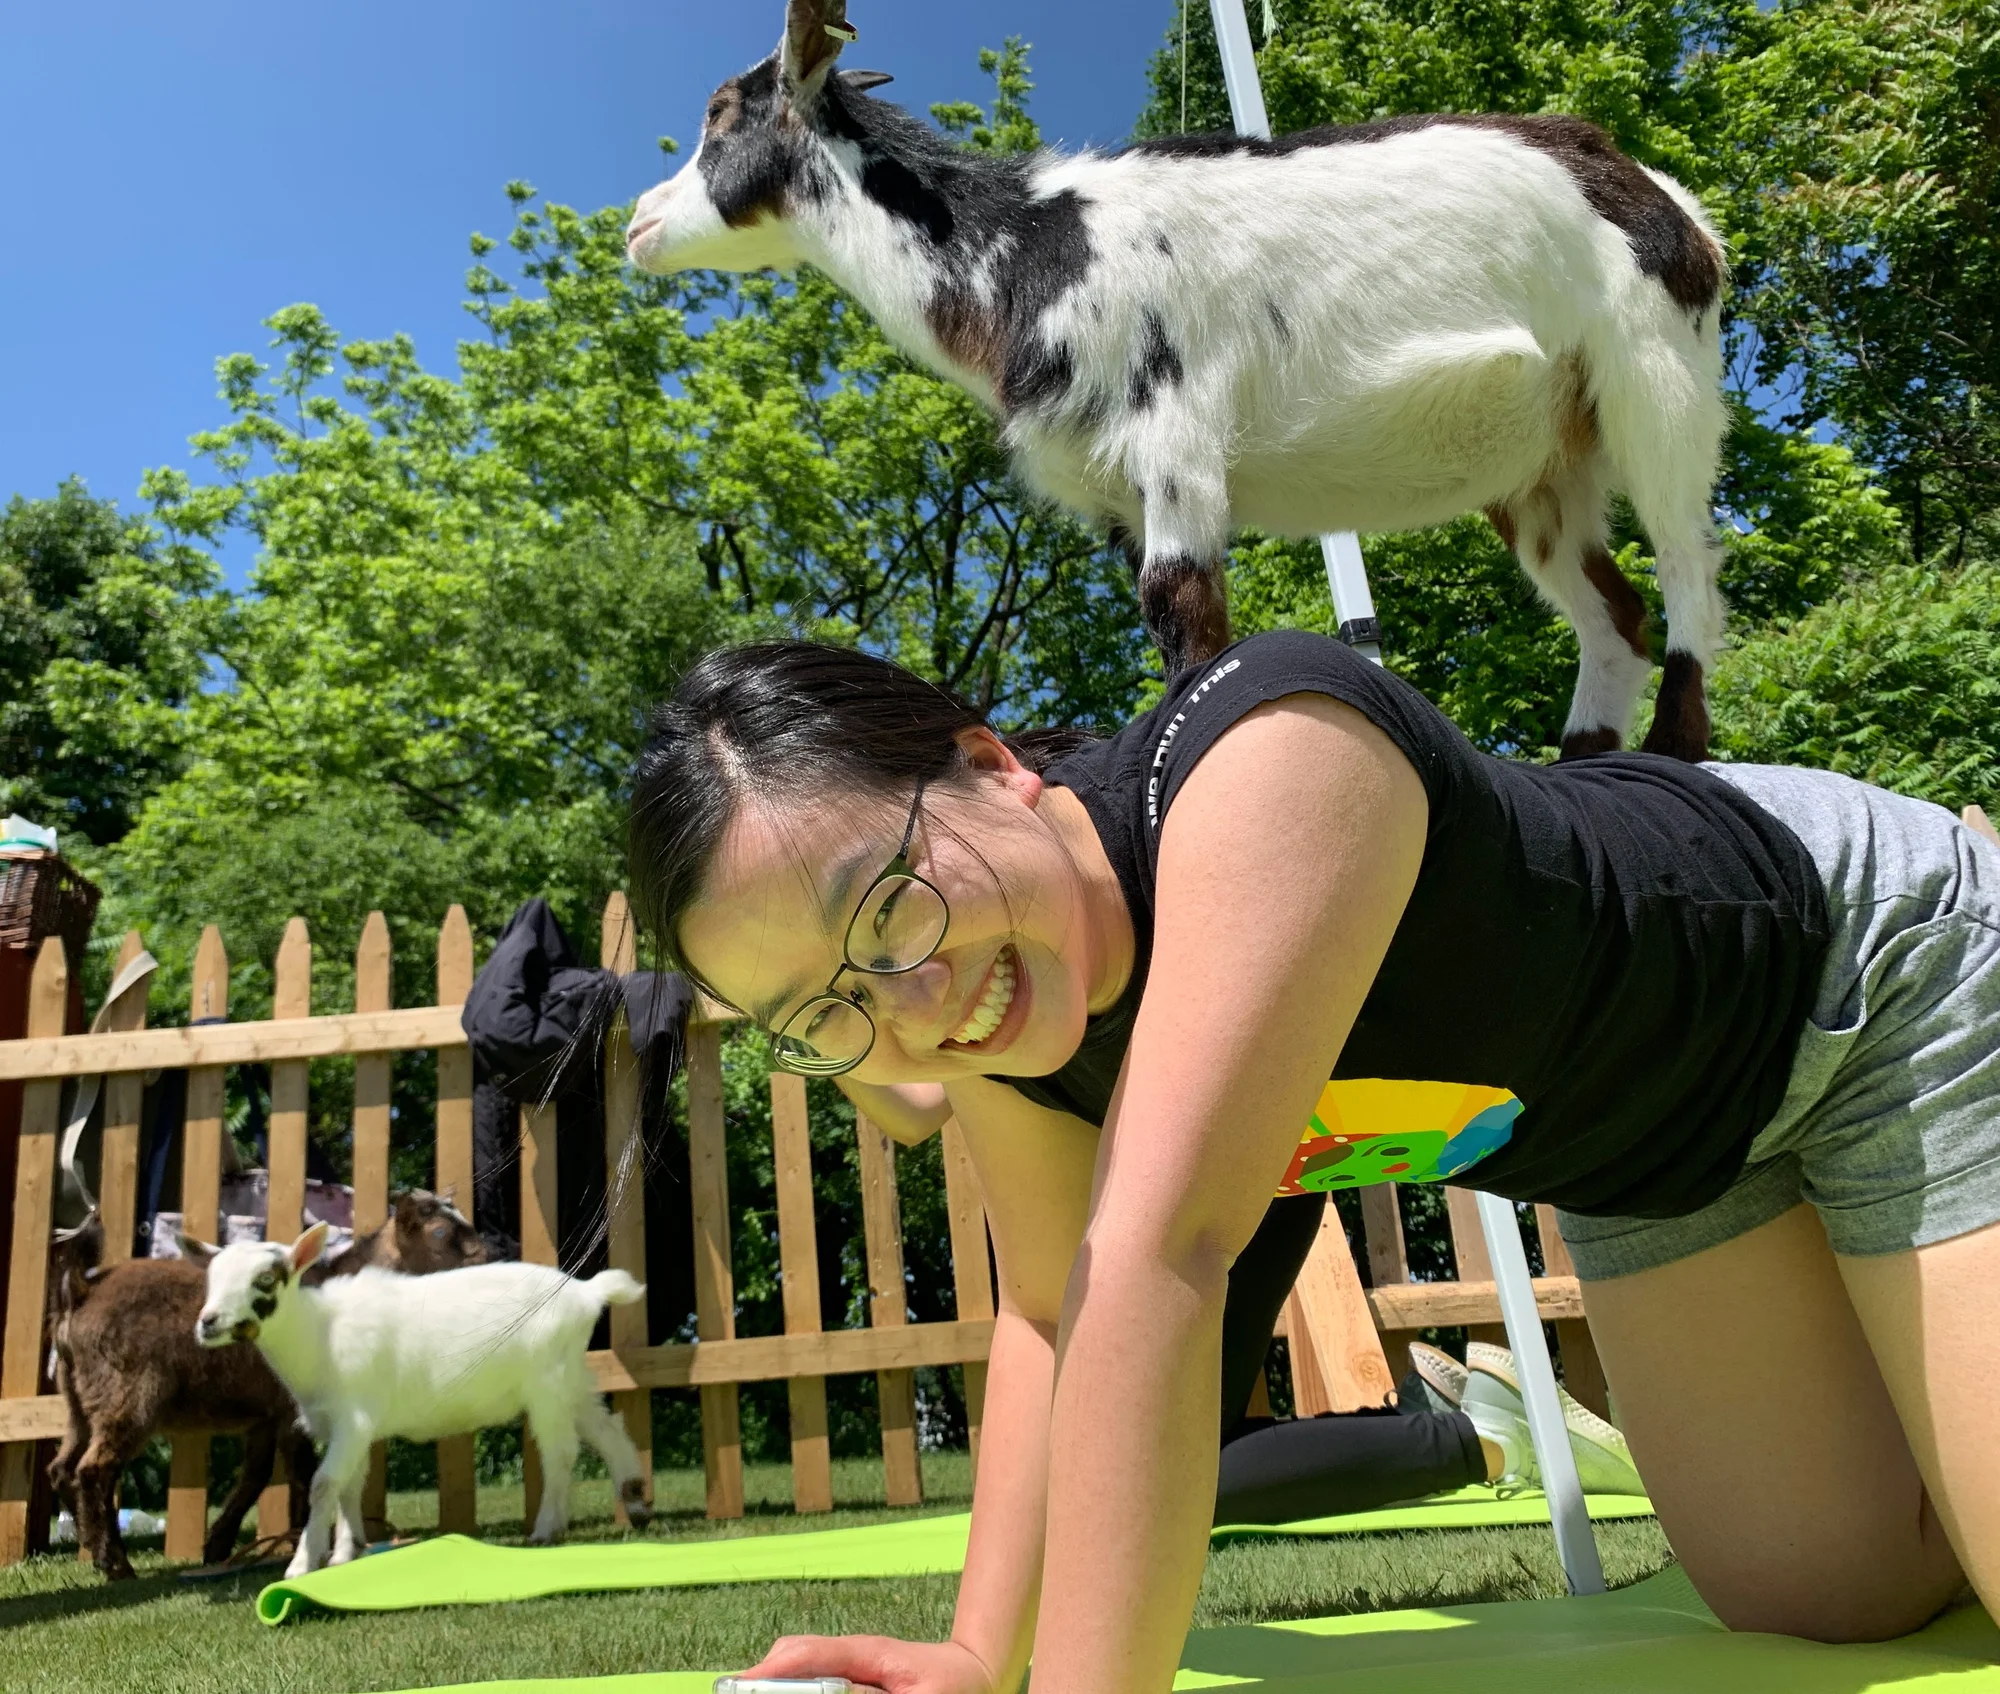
point(1862, 154)
point(1010, 129)
point(1893, 681)
point(88, 602)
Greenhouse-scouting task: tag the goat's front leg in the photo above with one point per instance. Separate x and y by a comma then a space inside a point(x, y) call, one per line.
point(350, 1540)
point(345, 1457)
point(1179, 477)
point(260, 1452)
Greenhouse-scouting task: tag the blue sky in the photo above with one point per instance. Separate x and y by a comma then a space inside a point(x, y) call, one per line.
point(174, 174)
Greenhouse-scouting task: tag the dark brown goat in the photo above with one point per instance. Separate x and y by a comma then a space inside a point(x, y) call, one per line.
point(129, 1365)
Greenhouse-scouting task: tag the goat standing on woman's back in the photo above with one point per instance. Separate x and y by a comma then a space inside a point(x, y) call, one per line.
point(377, 1354)
point(1370, 328)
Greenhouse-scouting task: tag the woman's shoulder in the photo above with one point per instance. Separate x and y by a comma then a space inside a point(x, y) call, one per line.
point(1205, 703)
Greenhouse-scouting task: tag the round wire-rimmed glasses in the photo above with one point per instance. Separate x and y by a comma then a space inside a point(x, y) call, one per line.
point(899, 923)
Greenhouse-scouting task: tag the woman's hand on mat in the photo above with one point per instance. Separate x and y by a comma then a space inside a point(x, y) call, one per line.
point(879, 1661)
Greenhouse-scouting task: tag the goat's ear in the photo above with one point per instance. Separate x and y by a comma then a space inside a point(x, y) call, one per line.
point(815, 32)
point(307, 1249)
point(195, 1252)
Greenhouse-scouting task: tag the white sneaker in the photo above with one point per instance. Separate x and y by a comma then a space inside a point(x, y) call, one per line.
point(1492, 1400)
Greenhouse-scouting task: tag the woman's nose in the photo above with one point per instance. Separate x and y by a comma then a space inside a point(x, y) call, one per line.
point(913, 999)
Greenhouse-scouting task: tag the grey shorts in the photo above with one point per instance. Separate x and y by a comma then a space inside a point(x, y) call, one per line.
point(1890, 1127)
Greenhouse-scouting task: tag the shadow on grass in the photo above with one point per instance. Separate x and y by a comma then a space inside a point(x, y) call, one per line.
point(75, 1602)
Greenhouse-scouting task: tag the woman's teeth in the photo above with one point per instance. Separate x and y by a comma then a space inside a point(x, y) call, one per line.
point(991, 1011)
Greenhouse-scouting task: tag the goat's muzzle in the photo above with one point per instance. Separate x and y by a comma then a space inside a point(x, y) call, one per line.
point(210, 1331)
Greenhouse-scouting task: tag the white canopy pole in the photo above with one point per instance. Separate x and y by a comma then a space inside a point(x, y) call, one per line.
point(1347, 576)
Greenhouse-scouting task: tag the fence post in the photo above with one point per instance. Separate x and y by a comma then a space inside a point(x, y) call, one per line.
point(714, 1277)
point(798, 1264)
point(201, 1217)
point(971, 1270)
point(458, 1497)
point(21, 1354)
point(1468, 1249)
point(285, 1198)
point(124, 1096)
point(373, 992)
point(1328, 1305)
point(1583, 1371)
point(889, 1307)
point(625, 1187)
point(1388, 1263)
point(541, 1244)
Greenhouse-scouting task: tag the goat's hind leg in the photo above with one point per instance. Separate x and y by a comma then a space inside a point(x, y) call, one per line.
point(111, 1448)
point(1662, 417)
point(1557, 532)
point(605, 1432)
point(1690, 558)
point(553, 1425)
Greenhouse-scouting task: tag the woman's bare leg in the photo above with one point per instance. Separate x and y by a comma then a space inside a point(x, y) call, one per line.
point(1931, 1317)
point(1759, 1419)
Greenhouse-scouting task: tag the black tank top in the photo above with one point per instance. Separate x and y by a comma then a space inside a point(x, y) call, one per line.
point(1625, 943)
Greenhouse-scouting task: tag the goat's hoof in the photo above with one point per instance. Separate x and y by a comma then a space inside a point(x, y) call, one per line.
point(638, 1514)
point(545, 1538)
point(120, 1571)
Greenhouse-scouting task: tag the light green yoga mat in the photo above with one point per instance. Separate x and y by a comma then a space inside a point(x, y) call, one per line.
point(453, 1570)
point(1654, 1638)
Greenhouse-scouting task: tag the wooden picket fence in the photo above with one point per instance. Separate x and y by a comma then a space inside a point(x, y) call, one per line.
point(1348, 1343)
point(716, 1363)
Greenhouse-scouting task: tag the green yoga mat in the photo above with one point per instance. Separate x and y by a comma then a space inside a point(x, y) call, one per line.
point(1653, 1638)
point(453, 1570)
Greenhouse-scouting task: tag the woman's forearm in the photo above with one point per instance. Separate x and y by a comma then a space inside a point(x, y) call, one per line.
point(1001, 1588)
point(1132, 1476)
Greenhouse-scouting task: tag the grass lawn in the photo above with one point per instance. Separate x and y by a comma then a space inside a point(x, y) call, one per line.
point(65, 1631)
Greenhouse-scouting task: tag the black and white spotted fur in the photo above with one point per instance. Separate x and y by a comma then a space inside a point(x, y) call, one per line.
point(1370, 328)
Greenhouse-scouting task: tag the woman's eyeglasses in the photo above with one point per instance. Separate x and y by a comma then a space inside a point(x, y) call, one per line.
point(898, 925)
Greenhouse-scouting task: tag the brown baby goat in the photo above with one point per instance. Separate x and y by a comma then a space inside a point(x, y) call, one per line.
point(129, 1366)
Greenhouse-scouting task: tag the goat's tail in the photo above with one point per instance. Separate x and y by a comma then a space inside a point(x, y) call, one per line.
point(616, 1288)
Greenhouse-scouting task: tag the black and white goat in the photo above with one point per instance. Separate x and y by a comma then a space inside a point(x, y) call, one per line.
point(1368, 328)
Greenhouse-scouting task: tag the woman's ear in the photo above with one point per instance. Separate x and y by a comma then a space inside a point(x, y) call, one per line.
point(988, 755)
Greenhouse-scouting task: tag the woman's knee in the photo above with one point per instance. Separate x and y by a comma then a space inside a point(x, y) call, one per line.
point(1876, 1594)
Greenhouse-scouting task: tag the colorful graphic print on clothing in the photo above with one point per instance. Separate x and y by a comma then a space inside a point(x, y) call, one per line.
point(1372, 1130)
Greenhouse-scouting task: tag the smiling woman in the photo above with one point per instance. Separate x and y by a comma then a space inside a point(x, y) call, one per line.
point(1741, 1025)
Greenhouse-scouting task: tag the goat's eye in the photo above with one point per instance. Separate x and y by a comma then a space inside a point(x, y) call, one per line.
point(266, 1281)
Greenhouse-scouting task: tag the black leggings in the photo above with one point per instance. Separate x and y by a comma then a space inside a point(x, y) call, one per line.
point(1324, 1466)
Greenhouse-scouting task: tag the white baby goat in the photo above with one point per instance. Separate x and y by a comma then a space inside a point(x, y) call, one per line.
point(380, 1354)
point(1374, 328)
